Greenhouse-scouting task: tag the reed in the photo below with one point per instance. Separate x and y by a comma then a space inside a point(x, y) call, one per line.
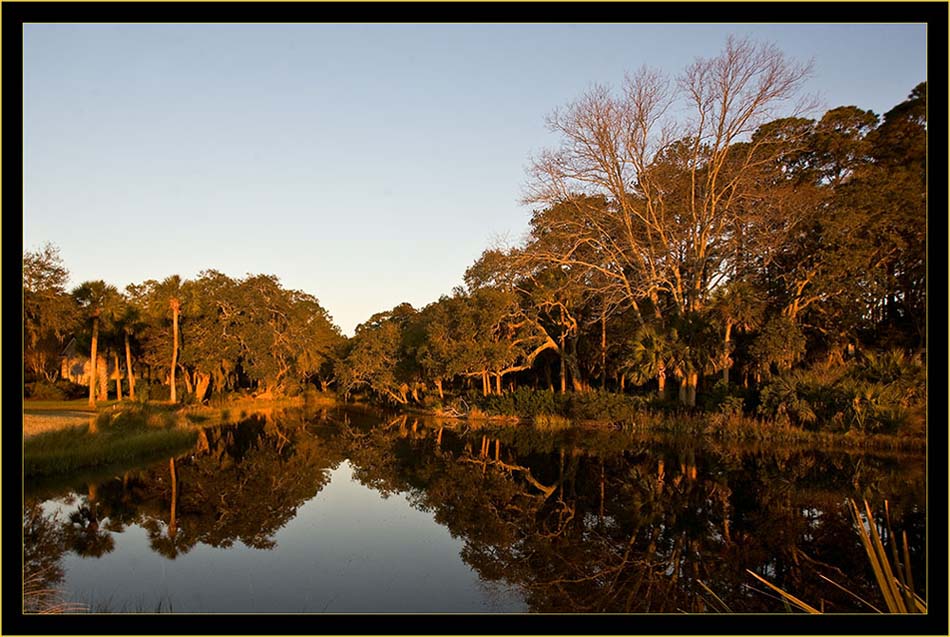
point(42, 599)
point(892, 572)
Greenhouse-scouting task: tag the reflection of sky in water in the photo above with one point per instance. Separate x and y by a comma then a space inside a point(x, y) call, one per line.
point(347, 550)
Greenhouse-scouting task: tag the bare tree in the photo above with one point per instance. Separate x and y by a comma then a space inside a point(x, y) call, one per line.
point(665, 202)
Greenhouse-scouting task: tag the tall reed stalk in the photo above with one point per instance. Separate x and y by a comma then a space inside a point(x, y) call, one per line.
point(892, 573)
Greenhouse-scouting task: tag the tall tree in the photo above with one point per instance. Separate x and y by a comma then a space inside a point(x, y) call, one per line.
point(97, 300)
point(49, 313)
point(670, 201)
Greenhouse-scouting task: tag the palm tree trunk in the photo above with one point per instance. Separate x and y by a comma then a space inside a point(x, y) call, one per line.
point(175, 306)
point(118, 376)
point(93, 361)
point(128, 367)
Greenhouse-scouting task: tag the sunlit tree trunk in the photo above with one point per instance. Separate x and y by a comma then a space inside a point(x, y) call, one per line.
point(128, 367)
point(175, 306)
point(498, 384)
point(102, 375)
point(438, 385)
point(603, 350)
point(661, 382)
point(689, 385)
point(727, 360)
point(118, 376)
point(93, 360)
point(201, 385)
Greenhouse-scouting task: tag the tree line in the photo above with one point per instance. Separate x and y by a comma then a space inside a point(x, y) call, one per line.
point(683, 237)
point(209, 334)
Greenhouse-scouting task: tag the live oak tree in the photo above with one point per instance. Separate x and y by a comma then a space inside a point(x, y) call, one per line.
point(49, 313)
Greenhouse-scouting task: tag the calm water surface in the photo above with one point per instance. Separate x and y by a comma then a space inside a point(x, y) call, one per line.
point(304, 512)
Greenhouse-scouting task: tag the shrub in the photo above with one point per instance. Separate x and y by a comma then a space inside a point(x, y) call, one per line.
point(523, 401)
point(71, 390)
point(603, 405)
point(879, 394)
point(42, 390)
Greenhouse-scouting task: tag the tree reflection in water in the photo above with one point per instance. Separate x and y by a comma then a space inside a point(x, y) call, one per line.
point(580, 520)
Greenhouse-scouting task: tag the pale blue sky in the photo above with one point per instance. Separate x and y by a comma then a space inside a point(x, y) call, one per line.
point(364, 164)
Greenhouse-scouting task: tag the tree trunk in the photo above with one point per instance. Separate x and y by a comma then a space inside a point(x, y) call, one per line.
point(563, 368)
point(201, 386)
point(175, 306)
point(727, 359)
point(603, 350)
point(102, 374)
point(690, 383)
point(189, 386)
point(486, 384)
point(438, 385)
point(128, 367)
point(498, 384)
point(93, 361)
point(661, 382)
point(118, 376)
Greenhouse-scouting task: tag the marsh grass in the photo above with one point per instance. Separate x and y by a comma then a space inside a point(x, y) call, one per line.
point(891, 572)
point(40, 598)
point(551, 422)
point(114, 437)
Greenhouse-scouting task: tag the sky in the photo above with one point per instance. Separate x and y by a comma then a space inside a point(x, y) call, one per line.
point(365, 164)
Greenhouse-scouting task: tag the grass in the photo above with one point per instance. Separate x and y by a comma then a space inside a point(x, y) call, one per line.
point(113, 437)
point(550, 422)
point(81, 404)
point(42, 599)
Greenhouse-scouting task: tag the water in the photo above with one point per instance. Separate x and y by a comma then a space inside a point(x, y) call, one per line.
point(338, 513)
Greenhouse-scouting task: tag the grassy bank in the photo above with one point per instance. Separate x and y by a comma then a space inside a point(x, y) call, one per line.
point(726, 420)
point(113, 436)
point(65, 436)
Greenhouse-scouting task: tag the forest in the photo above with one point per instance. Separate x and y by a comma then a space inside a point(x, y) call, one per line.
point(687, 250)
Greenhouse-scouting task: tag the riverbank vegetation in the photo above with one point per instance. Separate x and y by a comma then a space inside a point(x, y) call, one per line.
point(698, 246)
point(113, 436)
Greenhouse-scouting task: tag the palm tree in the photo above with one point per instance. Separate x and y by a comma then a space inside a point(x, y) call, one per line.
point(738, 305)
point(128, 324)
point(170, 288)
point(651, 356)
point(99, 300)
